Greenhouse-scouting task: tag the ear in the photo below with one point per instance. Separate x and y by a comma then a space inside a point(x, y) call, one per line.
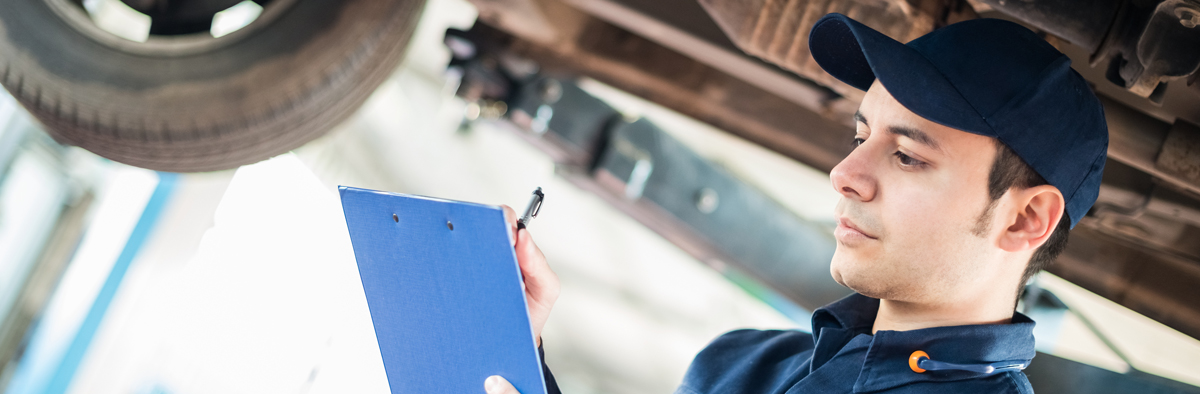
point(1038, 210)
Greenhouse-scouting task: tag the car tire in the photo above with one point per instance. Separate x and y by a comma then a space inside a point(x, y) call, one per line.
point(272, 90)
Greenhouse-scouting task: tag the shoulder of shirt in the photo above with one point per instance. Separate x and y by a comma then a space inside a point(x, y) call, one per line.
point(757, 338)
point(736, 360)
point(750, 333)
point(757, 344)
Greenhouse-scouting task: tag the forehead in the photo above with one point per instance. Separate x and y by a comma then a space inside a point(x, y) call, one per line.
point(882, 111)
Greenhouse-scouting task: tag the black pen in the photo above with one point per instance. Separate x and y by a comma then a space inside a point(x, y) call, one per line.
point(531, 210)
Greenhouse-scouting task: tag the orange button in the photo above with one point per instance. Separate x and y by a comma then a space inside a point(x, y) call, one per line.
point(914, 358)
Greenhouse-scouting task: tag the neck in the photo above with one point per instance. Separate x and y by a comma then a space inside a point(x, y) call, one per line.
point(904, 316)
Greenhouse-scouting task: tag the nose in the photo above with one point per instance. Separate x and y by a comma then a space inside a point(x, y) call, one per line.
point(852, 177)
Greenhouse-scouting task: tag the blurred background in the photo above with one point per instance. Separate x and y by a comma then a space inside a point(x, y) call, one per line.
point(189, 278)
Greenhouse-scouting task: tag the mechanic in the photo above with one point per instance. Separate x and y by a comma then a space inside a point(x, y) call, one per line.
point(977, 149)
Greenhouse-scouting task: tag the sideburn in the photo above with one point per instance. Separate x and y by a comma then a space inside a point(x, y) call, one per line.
point(984, 220)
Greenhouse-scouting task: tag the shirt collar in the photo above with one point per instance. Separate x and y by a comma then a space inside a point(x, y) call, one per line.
point(886, 363)
point(855, 313)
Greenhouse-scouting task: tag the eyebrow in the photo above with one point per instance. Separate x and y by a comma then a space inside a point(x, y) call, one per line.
point(858, 117)
point(916, 135)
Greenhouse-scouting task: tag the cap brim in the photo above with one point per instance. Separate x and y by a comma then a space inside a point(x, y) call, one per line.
point(857, 55)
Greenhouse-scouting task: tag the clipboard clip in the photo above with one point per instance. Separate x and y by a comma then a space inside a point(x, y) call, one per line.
point(531, 210)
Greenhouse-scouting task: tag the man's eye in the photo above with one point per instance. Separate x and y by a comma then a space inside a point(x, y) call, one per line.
point(907, 160)
point(857, 142)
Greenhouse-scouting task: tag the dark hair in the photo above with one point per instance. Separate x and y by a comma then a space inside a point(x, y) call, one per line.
point(1009, 171)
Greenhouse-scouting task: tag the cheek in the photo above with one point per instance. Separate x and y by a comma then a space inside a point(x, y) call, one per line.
point(925, 230)
point(932, 205)
point(914, 214)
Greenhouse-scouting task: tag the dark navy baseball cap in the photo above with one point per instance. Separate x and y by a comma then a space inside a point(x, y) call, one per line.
point(989, 77)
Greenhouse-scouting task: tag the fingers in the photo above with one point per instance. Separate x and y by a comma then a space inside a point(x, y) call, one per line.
point(498, 385)
point(510, 216)
point(541, 283)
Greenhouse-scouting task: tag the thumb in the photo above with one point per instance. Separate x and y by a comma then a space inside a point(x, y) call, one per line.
point(497, 385)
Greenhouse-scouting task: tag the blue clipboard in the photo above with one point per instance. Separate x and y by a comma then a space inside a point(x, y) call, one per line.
point(444, 290)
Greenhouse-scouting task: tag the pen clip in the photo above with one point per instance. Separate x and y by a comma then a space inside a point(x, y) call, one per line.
point(537, 201)
point(531, 210)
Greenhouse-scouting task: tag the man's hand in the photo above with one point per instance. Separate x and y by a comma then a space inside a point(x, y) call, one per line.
point(541, 283)
point(497, 385)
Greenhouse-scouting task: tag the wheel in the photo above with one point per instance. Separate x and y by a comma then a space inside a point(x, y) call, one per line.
point(183, 100)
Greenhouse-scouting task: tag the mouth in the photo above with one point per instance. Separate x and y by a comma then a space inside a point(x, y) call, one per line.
point(847, 230)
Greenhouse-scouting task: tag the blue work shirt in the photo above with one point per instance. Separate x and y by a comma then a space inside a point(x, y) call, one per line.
point(843, 357)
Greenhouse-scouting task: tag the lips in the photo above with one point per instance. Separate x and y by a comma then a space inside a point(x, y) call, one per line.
point(849, 225)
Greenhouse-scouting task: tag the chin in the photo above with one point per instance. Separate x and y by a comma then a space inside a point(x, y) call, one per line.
point(841, 268)
point(869, 288)
point(850, 272)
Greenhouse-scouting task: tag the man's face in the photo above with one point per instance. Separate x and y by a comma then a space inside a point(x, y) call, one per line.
point(913, 192)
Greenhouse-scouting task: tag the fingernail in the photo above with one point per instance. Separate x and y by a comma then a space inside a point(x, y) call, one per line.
point(492, 384)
